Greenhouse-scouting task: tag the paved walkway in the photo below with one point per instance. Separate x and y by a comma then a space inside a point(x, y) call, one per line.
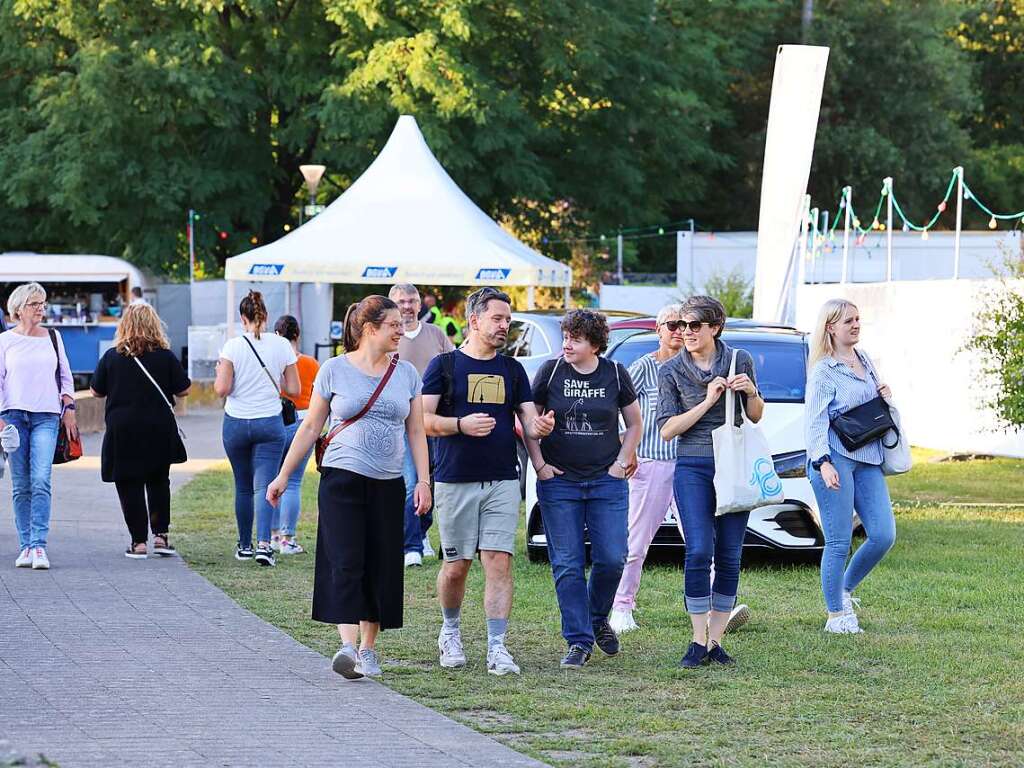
point(108, 661)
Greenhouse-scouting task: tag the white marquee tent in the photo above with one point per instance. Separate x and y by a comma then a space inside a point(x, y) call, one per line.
point(403, 220)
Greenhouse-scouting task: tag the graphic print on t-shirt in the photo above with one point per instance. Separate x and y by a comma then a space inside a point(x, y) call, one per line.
point(578, 392)
point(486, 388)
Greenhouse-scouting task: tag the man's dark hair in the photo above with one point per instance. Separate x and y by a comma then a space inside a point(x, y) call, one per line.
point(476, 302)
point(589, 325)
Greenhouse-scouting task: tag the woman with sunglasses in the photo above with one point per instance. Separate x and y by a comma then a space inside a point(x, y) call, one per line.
point(690, 408)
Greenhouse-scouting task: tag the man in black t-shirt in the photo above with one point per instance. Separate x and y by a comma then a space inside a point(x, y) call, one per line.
point(470, 399)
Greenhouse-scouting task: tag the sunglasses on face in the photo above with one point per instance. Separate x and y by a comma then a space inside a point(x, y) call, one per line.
point(676, 325)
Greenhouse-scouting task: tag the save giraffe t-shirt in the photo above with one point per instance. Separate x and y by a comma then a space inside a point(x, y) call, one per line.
point(496, 387)
point(585, 440)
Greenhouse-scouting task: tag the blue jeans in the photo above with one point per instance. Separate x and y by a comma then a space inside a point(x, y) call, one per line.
point(415, 527)
point(861, 487)
point(602, 506)
point(286, 516)
point(254, 449)
point(31, 466)
point(707, 537)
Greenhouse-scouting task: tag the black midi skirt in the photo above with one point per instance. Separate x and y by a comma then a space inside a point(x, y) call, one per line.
point(359, 573)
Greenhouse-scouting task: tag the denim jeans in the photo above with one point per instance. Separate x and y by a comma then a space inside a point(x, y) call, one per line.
point(602, 506)
point(707, 537)
point(31, 466)
point(286, 516)
point(254, 449)
point(861, 487)
point(415, 527)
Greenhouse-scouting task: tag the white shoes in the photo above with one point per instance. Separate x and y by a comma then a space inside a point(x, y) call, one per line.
point(622, 621)
point(740, 615)
point(413, 559)
point(40, 562)
point(290, 547)
point(24, 559)
point(850, 602)
point(845, 624)
point(428, 550)
point(450, 646)
point(500, 661)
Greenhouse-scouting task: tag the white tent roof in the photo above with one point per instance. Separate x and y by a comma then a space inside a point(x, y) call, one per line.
point(23, 266)
point(403, 220)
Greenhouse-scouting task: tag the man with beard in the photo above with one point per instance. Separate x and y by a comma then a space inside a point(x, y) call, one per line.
point(470, 399)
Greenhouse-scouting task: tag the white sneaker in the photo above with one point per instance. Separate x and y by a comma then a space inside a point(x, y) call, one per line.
point(40, 562)
point(500, 661)
point(275, 545)
point(622, 621)
point(346, 663)
point(850, 602)
point(450, 646)
point(740, 615)
point(290, 547)
point(428, 550)
point(845, 624)
point(24, 559)
point(413, 558)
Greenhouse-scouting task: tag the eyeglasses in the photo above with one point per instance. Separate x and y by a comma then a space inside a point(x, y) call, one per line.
point(693, 325)
point(35, 305)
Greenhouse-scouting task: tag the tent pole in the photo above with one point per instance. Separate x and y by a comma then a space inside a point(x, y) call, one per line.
point(568, 297)
point(230, 308)
point(530, 303)
point(288, 299)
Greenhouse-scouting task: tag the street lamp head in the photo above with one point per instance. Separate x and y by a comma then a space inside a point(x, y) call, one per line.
point(312, 175)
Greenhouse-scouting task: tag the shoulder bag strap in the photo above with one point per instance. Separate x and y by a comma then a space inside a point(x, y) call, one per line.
point(162, 395)
point(56, 373)
point(730, 405)
point(369, 403)
point(264, 367)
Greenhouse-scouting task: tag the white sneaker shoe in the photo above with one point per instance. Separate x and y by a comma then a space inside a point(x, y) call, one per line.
point(290, 547)
point(740, 615)
point(622, 621)
point(413, 559)
point(500, 661)
point(24, 559)
point(450, 646)
point(40, 562)
point(850, 603)
point(428, 550)
point(846, 624)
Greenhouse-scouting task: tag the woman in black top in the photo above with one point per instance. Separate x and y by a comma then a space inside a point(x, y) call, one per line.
point(141, 440)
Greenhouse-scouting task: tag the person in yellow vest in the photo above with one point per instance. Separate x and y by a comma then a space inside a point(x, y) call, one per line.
point(449, 322)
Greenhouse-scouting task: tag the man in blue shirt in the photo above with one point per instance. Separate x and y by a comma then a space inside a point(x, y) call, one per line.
point(470, 399)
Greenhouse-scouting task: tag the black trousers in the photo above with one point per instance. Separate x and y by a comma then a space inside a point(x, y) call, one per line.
point(134, 494)
point(359, 573)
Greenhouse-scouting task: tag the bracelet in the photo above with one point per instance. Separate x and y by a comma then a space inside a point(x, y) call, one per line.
point(458, 425)
point(541, 467)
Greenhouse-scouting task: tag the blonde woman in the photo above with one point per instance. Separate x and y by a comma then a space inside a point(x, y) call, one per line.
point(140, 377)
point(842, 377)
point(36, 394)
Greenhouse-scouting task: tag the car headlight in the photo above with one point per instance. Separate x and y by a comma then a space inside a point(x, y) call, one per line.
point(791, 464)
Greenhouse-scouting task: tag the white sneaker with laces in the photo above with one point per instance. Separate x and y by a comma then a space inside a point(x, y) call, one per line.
point(622, 621)
point(740, 615)
point(500, 661)
point(845, 624)
point(450, 646)
point(291, 547)
point(40, 562)
point(428, 550)
point(850, 603)
point(413, 558)
point(24, 559)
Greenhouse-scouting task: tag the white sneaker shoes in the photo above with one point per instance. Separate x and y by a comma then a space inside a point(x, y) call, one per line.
point(500, 661)
point(40, 562)
point(622, 621)
point(24, 559)
point(450, 646)
point(846, 624)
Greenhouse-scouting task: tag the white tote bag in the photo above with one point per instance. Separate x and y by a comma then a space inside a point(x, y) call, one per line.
point(745, 476)
point(896, 459)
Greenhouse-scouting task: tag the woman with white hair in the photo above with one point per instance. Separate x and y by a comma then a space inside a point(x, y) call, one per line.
point(36, 394)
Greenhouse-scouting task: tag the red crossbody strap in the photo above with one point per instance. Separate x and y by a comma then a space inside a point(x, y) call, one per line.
point(369, 403)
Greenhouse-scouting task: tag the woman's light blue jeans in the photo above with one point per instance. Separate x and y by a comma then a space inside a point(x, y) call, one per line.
point(861, 487)
point(31, 467)
point(254, 448)
point(286, 516)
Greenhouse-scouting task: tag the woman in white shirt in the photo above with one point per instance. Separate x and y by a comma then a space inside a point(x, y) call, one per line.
point(253, 372)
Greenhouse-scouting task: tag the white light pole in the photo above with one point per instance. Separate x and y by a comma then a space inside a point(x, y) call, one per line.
point(847, 196)
point(887, 191)
point(959, 171)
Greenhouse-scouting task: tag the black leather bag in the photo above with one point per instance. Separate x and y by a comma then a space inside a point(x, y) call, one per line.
point(864, 424)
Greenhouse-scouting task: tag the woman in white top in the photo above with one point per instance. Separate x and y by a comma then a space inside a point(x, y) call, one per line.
point(253, 371)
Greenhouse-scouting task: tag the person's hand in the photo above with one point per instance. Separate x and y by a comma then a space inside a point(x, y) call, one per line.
point(616, 471)
point(830, 476)
point(421, 498)
point(631, 466)
point(276, 490)
point(885, 392)
point(742, 383)
point(477, 425)
point(71, 422)
point(543, 425)
point(547, 472)
point(715, 389)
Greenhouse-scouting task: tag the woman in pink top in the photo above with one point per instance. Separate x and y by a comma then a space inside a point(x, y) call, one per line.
point(36, 392)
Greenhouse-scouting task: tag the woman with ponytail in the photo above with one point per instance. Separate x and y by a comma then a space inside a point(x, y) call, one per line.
point(374, 404)
point(254, 371)
point(842, 377)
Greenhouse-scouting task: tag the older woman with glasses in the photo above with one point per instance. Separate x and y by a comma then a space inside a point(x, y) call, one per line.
point(36, 393)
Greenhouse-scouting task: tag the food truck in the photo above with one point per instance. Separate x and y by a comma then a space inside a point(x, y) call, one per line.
point(85, 295)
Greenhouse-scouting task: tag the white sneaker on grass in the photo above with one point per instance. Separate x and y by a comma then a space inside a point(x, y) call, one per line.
point(450, 645)
point(369, 663)
point(346, 663)
point(621, 621)
point(40, 562)
point(740, 615)
point(428, 550)
point(290, 547)
point(850, 603)
point(413, 559)
point(844, 624)
point(24, 559)
point(500, 661)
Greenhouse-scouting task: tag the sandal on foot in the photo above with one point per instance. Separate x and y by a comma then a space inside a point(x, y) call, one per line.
point(162, 545)
point(136, 552)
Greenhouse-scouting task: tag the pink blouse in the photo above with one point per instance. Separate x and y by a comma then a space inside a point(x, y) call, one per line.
point(28, 380)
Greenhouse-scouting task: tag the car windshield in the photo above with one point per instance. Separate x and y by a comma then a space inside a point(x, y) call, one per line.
point(781, 366)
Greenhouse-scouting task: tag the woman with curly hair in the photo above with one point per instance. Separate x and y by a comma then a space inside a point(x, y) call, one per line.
point(581, 479)
point(140, 377)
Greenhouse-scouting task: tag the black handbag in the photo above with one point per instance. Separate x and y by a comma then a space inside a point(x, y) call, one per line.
point(864, 424)
point(288, 412)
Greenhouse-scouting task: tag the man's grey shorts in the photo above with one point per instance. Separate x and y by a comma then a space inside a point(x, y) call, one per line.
point(472, 516)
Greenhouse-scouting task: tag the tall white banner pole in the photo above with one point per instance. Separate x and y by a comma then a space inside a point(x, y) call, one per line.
point(888, 228)
point(847, 194)
point(959, 171)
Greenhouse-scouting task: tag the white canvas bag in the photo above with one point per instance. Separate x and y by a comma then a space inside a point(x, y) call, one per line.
point(896, 458)
point(745, 476)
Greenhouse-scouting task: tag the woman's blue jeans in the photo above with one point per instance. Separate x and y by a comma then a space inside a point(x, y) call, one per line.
point(286, 516)
point(254, 449)
point(602, 506)
point(861, 487)
point(31, 467)
point(707, 537)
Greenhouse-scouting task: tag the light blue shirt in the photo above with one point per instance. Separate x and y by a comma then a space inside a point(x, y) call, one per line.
point(832, 388)
point(644, 372)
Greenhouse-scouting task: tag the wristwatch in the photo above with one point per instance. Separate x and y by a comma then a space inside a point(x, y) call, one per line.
point(826, 459)
point(621, 463)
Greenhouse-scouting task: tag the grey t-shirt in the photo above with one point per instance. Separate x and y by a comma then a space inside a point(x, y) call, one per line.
point(374, 446)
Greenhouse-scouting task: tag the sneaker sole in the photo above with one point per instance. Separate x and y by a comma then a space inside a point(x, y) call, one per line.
point(23, 565)
point(452, 664)
point(266, 562)
point(165, 552)
point(345, 666)
point(737, 621)
point(241, 558)
point(133, 556)
point(572, 666)
point(40, 567)
point(502, 672)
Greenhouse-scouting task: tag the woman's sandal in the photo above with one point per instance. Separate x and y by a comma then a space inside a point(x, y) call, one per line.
point(162, 545)
point(136, 552)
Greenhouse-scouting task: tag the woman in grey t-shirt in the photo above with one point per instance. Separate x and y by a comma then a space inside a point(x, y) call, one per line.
point(359, 562)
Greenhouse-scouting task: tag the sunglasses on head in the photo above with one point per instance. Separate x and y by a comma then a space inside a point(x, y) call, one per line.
point(693, 325)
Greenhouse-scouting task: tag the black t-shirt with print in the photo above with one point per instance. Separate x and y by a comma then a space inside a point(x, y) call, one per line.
point(585, 441)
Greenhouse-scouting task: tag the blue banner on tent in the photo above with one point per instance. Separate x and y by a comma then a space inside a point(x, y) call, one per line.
point(385, 273)
point(266, 270)
point(496, 274)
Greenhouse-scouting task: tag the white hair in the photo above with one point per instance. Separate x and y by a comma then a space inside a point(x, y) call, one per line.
point(668, 311)
point(403, 289)
point(21, 296)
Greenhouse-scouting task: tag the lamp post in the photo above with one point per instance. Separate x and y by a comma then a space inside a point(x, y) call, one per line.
point(312, 174)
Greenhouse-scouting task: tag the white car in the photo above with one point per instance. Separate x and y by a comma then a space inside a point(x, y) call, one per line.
point(780, 359)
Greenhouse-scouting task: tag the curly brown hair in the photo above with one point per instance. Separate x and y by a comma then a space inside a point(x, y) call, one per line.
point(589, 325)
point(140, 330)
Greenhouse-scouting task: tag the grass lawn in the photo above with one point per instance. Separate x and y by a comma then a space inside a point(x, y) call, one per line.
point(937, 679)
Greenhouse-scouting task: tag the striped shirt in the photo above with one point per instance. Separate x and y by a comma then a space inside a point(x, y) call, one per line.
point(644, 372)
point(834, 388)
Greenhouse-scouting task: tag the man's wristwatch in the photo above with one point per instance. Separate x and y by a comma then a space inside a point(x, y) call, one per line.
point(623, 464)
point(826, 459)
